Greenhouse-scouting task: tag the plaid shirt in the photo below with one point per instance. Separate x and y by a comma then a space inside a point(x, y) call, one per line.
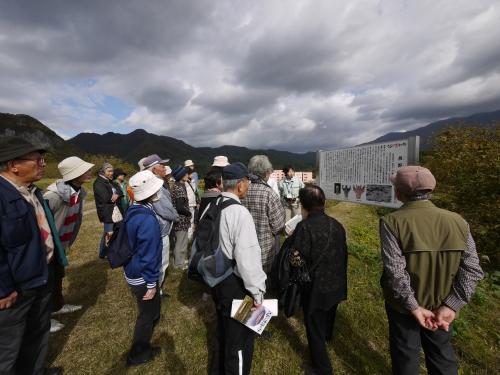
point(468, 275)
point(269, 218)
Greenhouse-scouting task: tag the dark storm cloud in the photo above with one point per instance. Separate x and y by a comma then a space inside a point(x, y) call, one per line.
point(301, 62)
point(312, 75)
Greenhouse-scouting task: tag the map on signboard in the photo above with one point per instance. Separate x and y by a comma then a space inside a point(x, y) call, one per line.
point(361, 174)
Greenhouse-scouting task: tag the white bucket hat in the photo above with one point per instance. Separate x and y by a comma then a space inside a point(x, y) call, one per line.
point(188, 163)
point(73, 167)
point(220, 161)
point(144, 184)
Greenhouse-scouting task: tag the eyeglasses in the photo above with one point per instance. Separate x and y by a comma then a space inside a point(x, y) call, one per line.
point(40, 160)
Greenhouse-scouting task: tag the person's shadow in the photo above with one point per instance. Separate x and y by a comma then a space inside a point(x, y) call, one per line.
point(350, 346)
point(191, 294)
point(85, 284)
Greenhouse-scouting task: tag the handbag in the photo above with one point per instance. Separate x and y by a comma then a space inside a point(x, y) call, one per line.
point(299, 277)
point(116, 216)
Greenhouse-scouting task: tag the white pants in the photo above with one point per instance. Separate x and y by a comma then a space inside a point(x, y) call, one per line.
point(191, 227)
point(165, 258)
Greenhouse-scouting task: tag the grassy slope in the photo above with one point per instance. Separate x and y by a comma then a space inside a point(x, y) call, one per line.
point(96, 339)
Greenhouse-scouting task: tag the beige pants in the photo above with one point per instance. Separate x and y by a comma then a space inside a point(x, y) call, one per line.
point(292, 210)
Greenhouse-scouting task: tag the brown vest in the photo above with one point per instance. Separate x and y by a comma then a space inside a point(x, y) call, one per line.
point(432, 241)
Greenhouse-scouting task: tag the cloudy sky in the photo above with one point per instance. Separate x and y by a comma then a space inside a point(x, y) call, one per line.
point(291, 74)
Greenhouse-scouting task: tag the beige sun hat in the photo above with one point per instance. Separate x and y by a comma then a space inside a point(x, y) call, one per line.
point(73, 167)
point(144, 184)
point(188, 163)
point(220, 161)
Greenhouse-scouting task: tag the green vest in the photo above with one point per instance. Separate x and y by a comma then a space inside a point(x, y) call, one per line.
point(432, 241)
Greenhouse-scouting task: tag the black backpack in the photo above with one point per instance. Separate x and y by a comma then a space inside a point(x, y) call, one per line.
point(208, 264)
point(118, 250)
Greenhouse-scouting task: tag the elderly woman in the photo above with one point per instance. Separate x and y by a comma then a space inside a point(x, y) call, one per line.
point(142, 272)
point(266, 209)
point(107, 198)
point(321, 243)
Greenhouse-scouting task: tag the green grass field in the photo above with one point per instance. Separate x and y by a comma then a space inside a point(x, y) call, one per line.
point(97, 338)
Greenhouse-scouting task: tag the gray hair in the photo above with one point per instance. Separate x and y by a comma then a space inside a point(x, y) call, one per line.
point(230, 184)
point(260, 165)
point(104, 167)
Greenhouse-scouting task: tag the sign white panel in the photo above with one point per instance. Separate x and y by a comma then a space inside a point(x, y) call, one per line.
point(361, 174)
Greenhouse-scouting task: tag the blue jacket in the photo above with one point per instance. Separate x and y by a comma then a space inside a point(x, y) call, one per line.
point(23, 258)
point(144, 235)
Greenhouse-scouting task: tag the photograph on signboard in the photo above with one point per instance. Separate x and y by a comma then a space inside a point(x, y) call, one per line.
point(379, 193)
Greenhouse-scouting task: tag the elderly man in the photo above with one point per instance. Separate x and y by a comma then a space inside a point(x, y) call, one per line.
point(289, 192)
point(164, 209)
point(233, 349)
point(431, 269)
point(28, 245)
point(267, 212)
point(66, 198)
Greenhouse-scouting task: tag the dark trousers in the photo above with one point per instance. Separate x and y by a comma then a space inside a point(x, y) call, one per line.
point(319, 329)
point(57, 295)
point(24, 331)
point(147, 318)
point(405, 338)
point(233, 346)
point(108, 227)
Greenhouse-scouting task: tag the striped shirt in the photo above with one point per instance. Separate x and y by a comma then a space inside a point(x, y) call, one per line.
point(66, 232)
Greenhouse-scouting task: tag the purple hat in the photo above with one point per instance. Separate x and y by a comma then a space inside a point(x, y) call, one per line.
point(152, 160)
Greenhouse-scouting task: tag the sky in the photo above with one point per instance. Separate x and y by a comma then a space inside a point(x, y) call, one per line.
point(291, 75)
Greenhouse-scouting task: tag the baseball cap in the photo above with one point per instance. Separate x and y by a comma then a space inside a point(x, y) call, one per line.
point(413, 178)
point(237, 171)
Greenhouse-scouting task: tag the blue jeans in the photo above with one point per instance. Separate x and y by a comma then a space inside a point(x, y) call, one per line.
point(108, 227)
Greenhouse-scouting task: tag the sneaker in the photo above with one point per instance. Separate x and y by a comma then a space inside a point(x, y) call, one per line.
point(66, 309)
point(55, 326)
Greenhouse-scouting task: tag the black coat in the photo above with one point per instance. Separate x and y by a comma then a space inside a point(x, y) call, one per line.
point(103, 191)
point(329, 278)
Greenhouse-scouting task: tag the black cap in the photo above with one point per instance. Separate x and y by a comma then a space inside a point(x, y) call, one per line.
point(15, 147)
point(236, 171)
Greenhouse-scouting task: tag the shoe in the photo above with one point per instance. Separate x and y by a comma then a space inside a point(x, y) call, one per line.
point(55, 326)
point(66, 309)
point(155, 350)
point(53, 371)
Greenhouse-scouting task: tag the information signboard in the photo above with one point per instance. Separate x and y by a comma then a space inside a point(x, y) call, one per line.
point(361, 174)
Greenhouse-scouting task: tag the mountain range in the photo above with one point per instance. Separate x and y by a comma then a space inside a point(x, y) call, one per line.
point(133, 146)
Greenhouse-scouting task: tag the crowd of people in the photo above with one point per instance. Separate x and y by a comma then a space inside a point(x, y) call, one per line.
point(430, 261)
